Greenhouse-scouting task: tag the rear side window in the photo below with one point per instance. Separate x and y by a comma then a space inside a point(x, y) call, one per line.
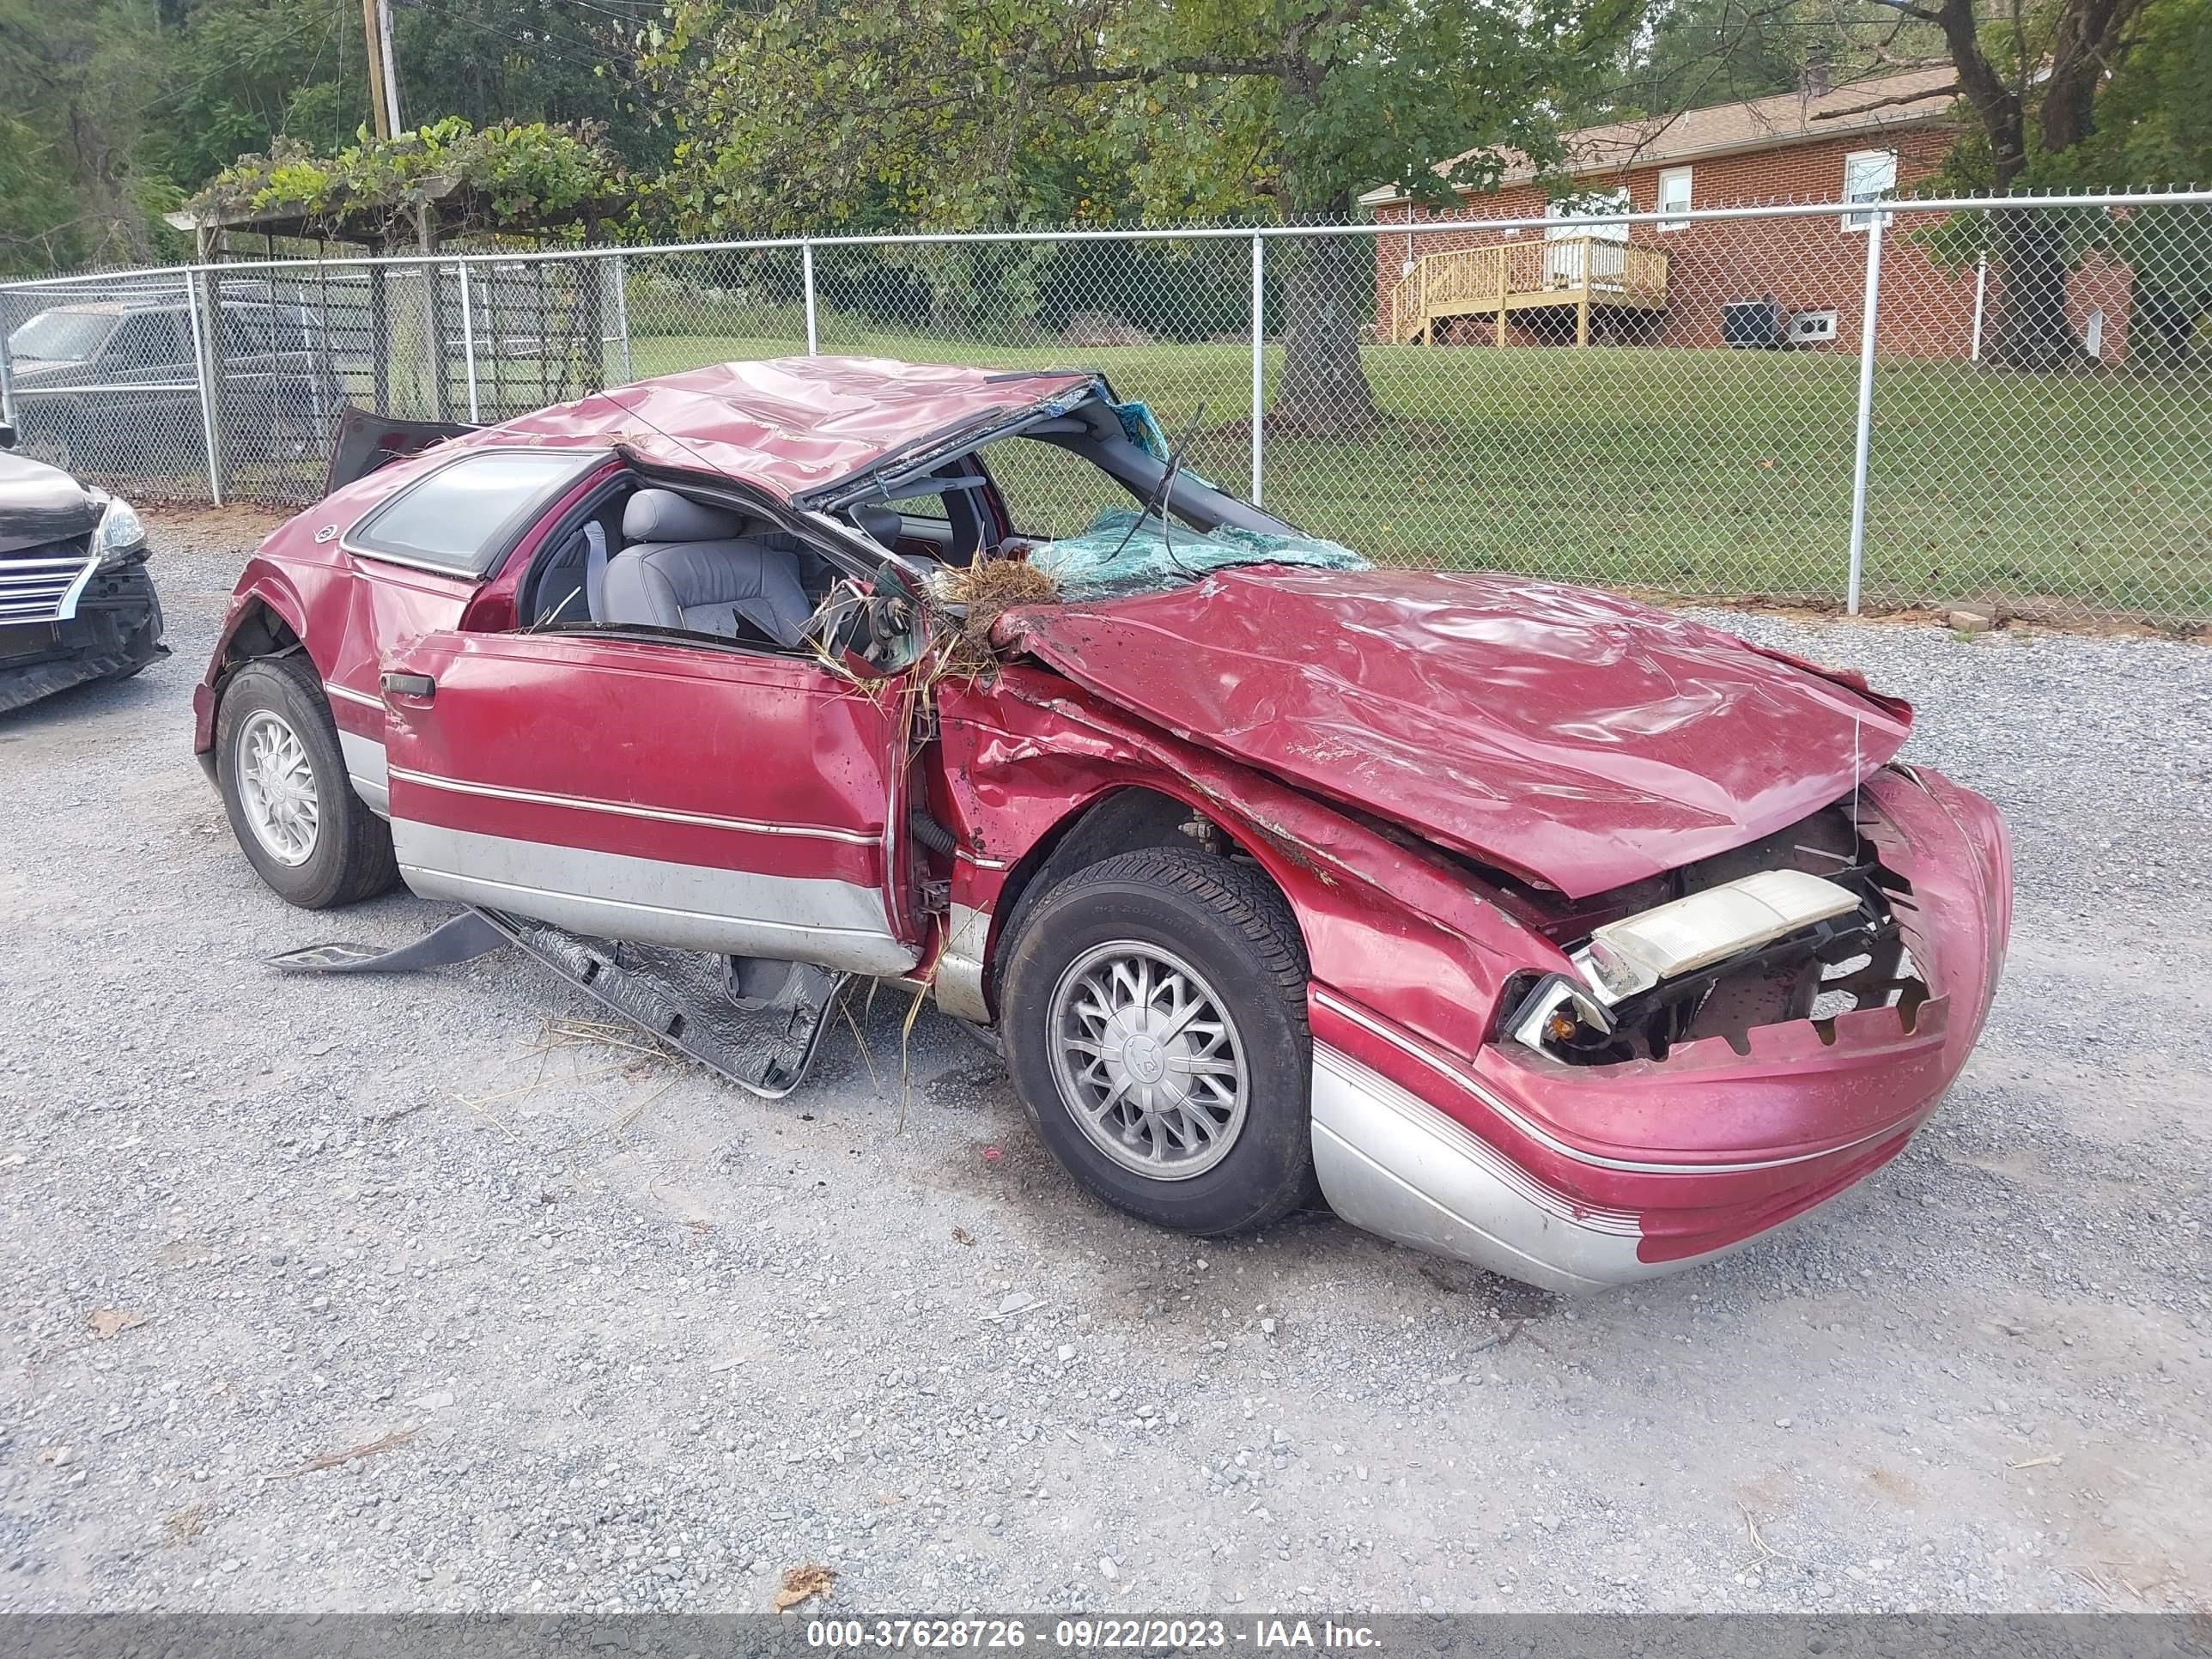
point(151, 339)
point(464, 517)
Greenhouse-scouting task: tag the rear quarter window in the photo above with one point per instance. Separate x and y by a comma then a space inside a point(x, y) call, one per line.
point(464, 516)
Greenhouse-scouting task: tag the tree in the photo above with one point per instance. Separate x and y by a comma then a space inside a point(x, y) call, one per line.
point(2032, 78)
point(116, 109)
point(1697, 54)
point(2153, 126)
point(77, 83)
point(797, 113)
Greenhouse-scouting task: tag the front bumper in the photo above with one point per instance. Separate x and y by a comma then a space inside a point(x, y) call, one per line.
point(116, 630)
point(1577, 1178)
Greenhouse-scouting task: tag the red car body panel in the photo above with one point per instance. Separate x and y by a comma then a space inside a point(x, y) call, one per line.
point(1576, 739)
point(1358, 734)
point(1400, 927)
point(1689, 1156)
point(741, 756)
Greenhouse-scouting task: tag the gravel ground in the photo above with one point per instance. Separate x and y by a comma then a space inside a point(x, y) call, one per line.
point(611, 1335)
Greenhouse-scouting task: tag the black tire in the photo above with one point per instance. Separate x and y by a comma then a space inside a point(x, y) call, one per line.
point(351, 857)
point(1228, 924)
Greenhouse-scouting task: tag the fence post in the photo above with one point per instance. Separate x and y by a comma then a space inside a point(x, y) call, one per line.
point(7, 383)
point(434, 341)
point(621, 314)
point(1259, 359)
point(807, 280)
point(1981, 300)
point(203, 293)
point(1869, 318)
point(468, 336)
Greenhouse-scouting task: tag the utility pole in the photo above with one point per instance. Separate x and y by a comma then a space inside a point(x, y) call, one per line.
point(383, 82)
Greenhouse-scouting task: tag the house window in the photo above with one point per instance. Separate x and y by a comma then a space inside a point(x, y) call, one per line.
point(1674, 197)
point(1869, 175)
point(1570, 215)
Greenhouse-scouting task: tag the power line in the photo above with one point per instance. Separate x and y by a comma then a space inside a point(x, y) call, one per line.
point(652, 10)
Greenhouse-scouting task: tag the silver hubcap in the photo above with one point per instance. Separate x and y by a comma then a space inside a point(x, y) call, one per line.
point(276, 786)
point(1149, 1063)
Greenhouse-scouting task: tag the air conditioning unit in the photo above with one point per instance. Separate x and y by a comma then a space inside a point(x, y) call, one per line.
point(1750, 325)
point(1811, 328)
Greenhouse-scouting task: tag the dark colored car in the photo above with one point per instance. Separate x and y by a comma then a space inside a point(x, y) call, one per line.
point(1517, 922)
point(76, 602)
point(108, 382)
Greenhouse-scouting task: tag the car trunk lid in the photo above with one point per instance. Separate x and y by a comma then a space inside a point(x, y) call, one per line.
point(1571, 737)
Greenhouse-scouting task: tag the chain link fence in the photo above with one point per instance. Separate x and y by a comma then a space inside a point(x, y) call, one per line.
point(2003, 403)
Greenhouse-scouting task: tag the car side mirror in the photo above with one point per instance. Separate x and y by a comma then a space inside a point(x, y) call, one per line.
point(875, 630)
point(888, 636)
point(7, 436)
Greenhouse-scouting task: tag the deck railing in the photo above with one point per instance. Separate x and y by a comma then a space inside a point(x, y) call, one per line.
point(1462, 280)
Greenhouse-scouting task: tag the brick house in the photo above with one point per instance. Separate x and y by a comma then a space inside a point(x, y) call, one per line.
point(1672, 284)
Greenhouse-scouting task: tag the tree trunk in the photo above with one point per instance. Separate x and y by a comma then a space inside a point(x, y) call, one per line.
point(1328, 298)
point(2031, 328)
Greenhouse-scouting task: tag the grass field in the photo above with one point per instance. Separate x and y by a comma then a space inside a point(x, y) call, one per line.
point(1686, 471)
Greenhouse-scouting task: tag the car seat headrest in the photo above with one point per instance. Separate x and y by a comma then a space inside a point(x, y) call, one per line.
point(662, 515)
point(884, 523)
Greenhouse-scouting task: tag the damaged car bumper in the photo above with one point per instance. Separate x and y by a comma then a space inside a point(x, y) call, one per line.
point(114, 628)
point(1578, 1177)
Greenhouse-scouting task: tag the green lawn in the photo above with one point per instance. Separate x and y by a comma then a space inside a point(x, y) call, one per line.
point(1684, 471)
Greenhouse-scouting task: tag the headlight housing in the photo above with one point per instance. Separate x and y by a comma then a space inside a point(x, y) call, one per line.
point(121, 534)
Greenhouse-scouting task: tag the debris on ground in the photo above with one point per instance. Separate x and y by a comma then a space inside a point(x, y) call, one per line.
point(113, 1322)
point(183, 1526)
point(332, 1460)
point(802, 1583)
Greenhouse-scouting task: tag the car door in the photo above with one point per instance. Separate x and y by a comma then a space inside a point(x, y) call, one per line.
point(706, 797)
point(149, 392)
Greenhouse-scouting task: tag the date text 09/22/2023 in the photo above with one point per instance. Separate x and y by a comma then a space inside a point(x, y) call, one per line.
point(1088, 1634)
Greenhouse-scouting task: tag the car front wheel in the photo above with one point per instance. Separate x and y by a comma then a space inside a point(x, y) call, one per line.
point(284, 785)
point(1154, 1018)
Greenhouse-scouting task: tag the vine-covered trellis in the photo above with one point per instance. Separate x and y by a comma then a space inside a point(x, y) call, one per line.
point(534, 182)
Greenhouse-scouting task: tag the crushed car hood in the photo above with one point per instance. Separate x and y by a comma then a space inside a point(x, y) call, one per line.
point(1574, 738)
point(40, 504)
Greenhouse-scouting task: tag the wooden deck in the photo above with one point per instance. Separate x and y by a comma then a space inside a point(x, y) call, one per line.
point(1582, 272)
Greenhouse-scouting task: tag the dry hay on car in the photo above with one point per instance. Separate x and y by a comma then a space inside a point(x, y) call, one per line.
point(984, 593)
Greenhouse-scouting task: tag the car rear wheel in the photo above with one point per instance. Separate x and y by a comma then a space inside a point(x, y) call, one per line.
point(1153, 1017)
point(284, 782)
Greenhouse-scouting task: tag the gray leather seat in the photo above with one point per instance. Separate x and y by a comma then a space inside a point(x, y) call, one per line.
point(686, 566)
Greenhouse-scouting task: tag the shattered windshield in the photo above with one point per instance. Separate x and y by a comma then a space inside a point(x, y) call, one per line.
point(1119, 553)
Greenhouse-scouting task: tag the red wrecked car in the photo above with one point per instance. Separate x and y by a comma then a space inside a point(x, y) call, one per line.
point(1517, 922)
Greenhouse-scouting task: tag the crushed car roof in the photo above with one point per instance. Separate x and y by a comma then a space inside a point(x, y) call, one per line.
point(790, 425)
